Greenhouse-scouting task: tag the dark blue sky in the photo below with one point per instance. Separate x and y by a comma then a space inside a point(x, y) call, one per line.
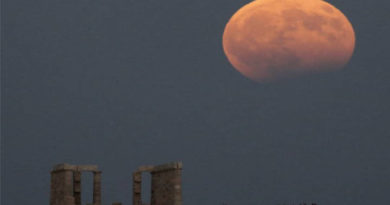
point(121, 83)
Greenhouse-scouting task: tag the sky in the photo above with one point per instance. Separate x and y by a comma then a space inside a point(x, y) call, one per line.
point(123, 83)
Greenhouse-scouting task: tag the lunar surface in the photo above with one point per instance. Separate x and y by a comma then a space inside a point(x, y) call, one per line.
point(269, 40)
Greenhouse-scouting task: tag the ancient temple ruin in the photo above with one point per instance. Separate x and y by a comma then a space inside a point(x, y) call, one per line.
point(65, 188)
point(166, 184)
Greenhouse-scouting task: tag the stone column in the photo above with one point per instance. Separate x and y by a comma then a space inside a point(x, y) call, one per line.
point(166, 184)
point(62, 187)
point(137, 183)
point(77, 187)
point(97, 188)
point(53, 185)
point(177, 187)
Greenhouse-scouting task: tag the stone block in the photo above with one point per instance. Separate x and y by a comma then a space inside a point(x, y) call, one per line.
point(137, 188)
point(81, 168)
point(137, 177)
point(87, 168)
point(64, 166)
point(145, 168)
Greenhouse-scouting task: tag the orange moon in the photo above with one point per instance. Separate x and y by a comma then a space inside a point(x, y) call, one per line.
point(269, 40)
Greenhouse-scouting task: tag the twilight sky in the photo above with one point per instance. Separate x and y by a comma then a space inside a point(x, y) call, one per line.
point(122, 83)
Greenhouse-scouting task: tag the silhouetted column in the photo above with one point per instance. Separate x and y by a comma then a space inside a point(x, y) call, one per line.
point(77, 187)
point(97, 188)
point(137, 181)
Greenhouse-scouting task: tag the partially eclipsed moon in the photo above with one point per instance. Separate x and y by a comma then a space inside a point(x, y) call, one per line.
point(268, 40)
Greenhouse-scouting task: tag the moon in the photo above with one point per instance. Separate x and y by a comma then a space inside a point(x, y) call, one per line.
point(270, 40)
